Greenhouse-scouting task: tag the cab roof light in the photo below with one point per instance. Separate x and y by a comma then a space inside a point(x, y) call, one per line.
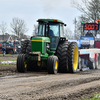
point(39, 19)
point(54, 20)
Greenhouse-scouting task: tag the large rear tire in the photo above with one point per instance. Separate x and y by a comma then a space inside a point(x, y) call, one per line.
point(31, 65)
point(28, 48)
point(52, 65)
point(73, 57)
point(21, 63)
point(62, 55)
point(24, 46)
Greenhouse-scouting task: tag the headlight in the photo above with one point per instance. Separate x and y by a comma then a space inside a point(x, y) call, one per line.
point(19, 46)
point(48, 45)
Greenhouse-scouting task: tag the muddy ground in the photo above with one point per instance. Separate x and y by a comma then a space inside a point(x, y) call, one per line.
point(43, 86)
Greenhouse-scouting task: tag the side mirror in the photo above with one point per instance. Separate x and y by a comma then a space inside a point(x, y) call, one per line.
point(37, 31)
point(65, 25)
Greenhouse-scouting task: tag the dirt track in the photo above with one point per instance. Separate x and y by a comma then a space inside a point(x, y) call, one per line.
point(40, 85)
point(8, 57)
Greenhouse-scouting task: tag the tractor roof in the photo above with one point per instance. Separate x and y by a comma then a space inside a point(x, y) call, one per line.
point(50, 20)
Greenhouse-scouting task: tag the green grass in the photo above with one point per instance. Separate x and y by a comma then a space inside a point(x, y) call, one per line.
point(11, 55)
point(96, 97)
point(8, 63)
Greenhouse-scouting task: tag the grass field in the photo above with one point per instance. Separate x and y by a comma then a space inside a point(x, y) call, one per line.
point(96, 97)
point(12, 62)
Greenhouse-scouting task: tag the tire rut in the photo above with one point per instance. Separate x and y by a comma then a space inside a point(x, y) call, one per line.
point(50, 91)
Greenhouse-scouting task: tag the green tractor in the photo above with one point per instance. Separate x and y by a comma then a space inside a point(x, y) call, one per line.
point(48, 50)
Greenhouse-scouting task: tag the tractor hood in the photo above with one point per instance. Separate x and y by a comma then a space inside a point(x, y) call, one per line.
point(38, 44)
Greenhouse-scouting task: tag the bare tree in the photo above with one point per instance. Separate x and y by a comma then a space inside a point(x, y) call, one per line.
point(75, 22)
point(90, 10)
point(35, 30)
point(79, 25)
point(3, 28)
point(68, 34)
point(23, 36)
point(18, 26)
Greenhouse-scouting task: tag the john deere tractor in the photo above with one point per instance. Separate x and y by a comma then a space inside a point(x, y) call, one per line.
point(48, 50)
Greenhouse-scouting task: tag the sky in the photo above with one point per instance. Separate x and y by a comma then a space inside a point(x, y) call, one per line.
point(31, 10)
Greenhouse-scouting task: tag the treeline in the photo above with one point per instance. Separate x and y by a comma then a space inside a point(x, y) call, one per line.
point(18, 28)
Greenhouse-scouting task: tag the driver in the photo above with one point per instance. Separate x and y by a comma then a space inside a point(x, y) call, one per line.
point(89, 33)
point(51, 33)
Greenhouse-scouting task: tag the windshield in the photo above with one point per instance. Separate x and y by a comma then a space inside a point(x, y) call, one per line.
point(53, 29)
point(48, 29)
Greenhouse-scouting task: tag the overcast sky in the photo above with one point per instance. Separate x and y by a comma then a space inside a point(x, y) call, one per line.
point(31, 10)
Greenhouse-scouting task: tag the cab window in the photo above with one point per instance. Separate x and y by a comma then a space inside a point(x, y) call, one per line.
point(61, 30)
point(41, 29)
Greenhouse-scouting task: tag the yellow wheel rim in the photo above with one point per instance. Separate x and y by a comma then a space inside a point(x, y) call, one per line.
point(25, 64)
point(56, 65)
point(75, 58)
point(39, 63)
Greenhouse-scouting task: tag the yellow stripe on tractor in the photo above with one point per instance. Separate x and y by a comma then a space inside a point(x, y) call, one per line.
point(40, 41)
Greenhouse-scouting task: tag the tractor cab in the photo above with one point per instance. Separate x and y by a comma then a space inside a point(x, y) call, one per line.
point(54, 29)
point(50, 28)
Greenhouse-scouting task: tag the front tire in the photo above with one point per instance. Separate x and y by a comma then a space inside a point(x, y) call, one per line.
point(52, 64)
point(21, 63)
